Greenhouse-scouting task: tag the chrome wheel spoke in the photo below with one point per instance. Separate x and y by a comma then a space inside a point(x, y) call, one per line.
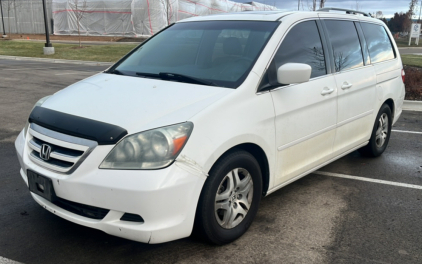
point(236, 178)
point(232, 218)
point(244, 203)
point(224, 214)
point(240, 210)
point(247, 187)
point(223, 205)
point(382, 130)
point(223, 196)
point(227, 190)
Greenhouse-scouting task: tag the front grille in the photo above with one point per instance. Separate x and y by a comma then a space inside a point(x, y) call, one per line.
point(67, 152)
point(82, 209)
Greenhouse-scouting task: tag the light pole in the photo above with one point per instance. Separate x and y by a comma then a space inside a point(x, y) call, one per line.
point(2, 20)
point(48, 49)
point(420, 10)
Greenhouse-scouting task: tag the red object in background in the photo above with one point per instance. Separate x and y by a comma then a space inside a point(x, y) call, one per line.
point(403, 75)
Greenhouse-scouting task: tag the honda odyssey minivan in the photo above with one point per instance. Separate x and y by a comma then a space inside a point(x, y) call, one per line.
point(194, 126)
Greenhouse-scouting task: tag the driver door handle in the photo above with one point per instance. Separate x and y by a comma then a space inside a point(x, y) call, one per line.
point(346, 85)
point(327, 90)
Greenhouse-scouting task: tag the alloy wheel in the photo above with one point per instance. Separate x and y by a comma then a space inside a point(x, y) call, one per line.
point(233, 198)
point(382, 130)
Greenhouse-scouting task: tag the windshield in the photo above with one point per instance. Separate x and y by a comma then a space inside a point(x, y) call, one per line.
point(218, 53)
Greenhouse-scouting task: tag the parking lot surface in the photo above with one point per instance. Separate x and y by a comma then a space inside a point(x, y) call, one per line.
point(410, 50)
point(355, 210)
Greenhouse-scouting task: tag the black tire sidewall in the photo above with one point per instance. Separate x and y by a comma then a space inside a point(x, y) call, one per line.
point(211, 229)
point(376, 151)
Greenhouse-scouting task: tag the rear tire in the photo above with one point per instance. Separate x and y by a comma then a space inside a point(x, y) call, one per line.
point(230, 198)
point(380, 133)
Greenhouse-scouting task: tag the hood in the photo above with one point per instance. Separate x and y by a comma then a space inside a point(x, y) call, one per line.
point(133, 103)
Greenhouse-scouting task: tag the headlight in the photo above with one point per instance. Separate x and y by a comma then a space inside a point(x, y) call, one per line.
point(39, 103)
point(153, 149)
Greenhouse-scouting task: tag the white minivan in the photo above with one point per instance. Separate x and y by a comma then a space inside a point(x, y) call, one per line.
point(194, 126)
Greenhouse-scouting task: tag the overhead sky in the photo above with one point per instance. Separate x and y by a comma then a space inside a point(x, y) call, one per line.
point(388, 7)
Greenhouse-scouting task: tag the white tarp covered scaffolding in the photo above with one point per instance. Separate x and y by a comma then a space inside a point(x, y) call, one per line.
point(135, 17)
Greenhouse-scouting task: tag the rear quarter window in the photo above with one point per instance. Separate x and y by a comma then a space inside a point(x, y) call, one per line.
point(379, 44)
point(347, 50)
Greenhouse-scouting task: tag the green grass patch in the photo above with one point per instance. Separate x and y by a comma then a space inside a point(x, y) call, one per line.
point(404, 42)
point(412, 60)
point(102, 53)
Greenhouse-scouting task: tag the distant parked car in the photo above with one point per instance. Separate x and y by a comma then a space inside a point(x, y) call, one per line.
point(195, 125)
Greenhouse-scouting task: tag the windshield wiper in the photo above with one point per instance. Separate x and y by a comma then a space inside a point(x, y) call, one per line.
point(148, 75)
point(185, 78)
point(176, 77)
point(117, 72)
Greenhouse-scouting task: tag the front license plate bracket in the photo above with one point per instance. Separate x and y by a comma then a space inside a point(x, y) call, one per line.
point(41, 186)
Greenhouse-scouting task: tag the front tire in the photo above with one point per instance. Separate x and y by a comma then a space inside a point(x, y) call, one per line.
point(230, 198)
point(380, 133)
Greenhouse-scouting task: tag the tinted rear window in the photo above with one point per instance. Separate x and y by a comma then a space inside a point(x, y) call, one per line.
point(379, 44)
point(344, 39)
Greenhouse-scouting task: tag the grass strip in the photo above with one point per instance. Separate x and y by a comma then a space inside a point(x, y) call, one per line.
point(102, 53)
point(412, 60)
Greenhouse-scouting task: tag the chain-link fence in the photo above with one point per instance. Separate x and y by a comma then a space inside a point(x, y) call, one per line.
point(25, 16)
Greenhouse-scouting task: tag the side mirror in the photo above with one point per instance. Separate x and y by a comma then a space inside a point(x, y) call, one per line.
point(294, 73)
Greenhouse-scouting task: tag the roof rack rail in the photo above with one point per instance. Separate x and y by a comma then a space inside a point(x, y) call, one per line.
point(348, 11)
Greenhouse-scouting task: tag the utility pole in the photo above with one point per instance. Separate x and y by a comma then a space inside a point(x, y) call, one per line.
point(48, 49)
point(298, 4)
point(2, 20)
point(420, 12)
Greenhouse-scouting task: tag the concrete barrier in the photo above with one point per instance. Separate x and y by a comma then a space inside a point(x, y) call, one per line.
point(412, 105)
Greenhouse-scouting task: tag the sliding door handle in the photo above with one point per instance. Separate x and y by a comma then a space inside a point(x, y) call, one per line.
point(346, 85)
point(327, 90)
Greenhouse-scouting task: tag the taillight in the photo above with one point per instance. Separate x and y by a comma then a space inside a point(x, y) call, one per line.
point(403, 75)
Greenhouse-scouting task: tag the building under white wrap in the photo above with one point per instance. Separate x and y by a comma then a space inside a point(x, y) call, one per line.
point(135, 17)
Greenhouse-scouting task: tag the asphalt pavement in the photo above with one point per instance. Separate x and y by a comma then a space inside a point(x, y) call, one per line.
point(318, 219)
point(411, 50)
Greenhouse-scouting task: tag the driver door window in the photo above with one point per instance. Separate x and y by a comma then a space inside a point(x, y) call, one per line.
point(303, 45)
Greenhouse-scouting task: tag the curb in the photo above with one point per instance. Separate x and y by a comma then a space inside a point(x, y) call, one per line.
point(412, 105)
point(92, 63)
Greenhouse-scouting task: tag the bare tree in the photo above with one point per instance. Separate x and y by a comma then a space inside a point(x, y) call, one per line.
point(79, 8)
point(357, 5)
point(408, 22)
point(412, 7)
point(10, 4)
point(313, 6)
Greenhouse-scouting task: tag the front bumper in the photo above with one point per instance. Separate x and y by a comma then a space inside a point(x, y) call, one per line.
point(166, 199)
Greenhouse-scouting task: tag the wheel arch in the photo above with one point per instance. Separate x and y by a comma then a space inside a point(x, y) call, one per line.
point(259, 154)
point(390, 103)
